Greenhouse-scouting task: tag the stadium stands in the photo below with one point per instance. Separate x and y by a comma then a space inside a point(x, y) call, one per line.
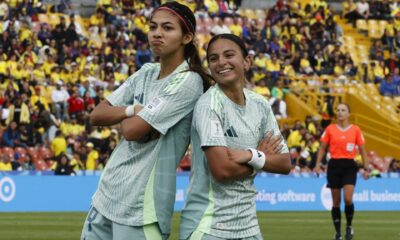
point(320, 59)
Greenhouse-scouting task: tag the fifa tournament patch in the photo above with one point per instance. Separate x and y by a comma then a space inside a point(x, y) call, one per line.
point(216, 129)
point(350, 147)
point(155, 104)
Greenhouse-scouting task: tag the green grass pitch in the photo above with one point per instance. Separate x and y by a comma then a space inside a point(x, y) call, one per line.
point(274, 226)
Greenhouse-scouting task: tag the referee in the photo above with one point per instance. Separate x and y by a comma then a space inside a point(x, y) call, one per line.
point(342, 139)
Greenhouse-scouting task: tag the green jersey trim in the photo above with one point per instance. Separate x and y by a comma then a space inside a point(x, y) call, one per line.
point(174, 85)
point(149, 209)
point(206, 220)
point(216, 99)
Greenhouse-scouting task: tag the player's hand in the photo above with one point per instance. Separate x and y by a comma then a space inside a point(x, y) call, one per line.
point(137, 108)
point(239, 156)
point(270, 144)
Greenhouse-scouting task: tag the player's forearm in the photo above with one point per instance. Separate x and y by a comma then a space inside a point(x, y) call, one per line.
point(106, 115)
point(233, 171)
point(223, 165)
point(278, 163)
point(136, 129)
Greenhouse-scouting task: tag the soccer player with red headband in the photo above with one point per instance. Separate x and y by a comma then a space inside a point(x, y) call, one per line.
point(154, 106)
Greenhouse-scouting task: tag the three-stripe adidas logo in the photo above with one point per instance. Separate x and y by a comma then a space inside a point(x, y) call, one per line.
point(139, 97)
point(231, 132)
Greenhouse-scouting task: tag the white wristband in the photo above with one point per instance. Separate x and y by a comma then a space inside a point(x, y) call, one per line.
point(257, 160)
point(130, 110)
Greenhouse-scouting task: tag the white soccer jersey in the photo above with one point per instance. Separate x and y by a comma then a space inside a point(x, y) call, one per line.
point(137, 186)
point(224, 209)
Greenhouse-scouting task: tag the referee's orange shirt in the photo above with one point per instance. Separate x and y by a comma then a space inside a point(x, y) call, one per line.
point(342, 142)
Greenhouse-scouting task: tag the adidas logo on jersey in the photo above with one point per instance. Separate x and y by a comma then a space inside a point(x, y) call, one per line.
point(231, 132)
point(139, 97)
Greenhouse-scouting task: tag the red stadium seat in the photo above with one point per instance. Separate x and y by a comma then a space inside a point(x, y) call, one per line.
point(22, 158)
point(40, 165)
point(8, 151)
point(20, 150)
point(44, 153)
point(33, 151)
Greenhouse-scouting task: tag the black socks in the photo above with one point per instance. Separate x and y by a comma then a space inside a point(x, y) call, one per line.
point(349, 211)
point(336, 218)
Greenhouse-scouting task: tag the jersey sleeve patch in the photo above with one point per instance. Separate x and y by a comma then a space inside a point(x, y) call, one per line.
point(155, 104)
point(216, 129)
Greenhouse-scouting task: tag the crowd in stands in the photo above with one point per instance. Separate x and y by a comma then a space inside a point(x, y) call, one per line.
point(54, 72)
point(382, 70)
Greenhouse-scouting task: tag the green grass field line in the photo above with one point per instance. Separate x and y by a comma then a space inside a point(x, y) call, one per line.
point(274, 226)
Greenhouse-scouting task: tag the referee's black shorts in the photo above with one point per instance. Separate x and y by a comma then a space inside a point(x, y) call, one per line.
point(341, 172)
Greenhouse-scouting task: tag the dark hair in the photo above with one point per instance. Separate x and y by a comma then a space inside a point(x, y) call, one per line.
point(237, 40)
point(347, 106)
point(188, 25)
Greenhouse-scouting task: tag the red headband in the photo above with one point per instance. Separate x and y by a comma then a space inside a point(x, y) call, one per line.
point(176, 14)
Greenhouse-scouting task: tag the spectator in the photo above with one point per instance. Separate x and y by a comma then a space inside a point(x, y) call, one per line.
point(262, 89)
point(362, 9)
point(285, 130)
point(11, 136)
point(394, 166)
point(350, 11)
point(59, 144)
point(310, 126)
point(87, 87)
point(23, 135)
point(18, 112)
point(143, 55)
point(389, 87)
point(4, 10)
point(236, 28)
point(88, 101)
point(48, 122)
point(393, 62)
point(259, 44)
point(364, 74)
point(63, 166)
point(278, 107)
point(305, 64)
point(274, 67)
point(220, 27)
point(380, 71)
point(5, 163)
point(76, 163)
point(38, 98)
point(278, 91)
point(75, 104)
point(27, 163)
point(92, 157)
point(59, 97)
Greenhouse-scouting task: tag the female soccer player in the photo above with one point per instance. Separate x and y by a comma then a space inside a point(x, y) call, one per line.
point(342, 139)
point(229, 123)
point(136, 193)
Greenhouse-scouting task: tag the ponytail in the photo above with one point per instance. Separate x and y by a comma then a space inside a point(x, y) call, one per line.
point(193, 58)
